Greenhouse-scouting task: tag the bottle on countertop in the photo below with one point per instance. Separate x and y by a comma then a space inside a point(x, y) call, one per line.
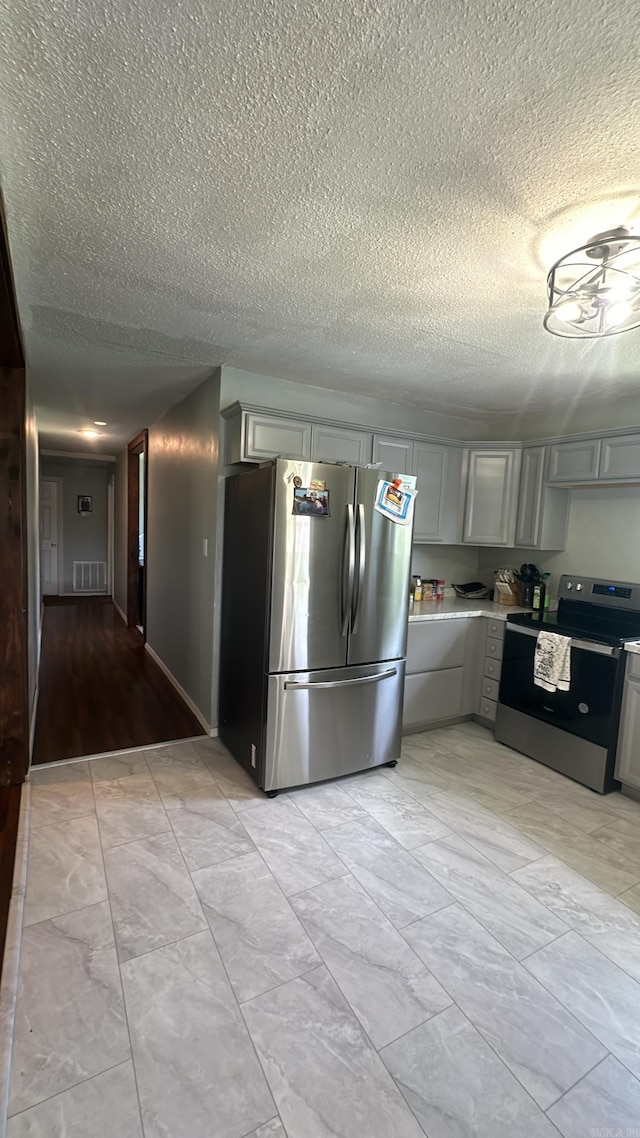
point(417, 587)
point(539, 597)
point(440, 593)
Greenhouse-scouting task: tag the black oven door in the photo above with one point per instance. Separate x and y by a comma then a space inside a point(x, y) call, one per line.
point(589, 709)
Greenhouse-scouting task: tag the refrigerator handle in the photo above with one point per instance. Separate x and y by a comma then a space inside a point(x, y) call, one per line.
point(348, 555)
point(294, 685)
point(357, 593)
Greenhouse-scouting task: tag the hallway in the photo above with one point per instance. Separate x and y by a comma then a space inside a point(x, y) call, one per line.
point(99, 689)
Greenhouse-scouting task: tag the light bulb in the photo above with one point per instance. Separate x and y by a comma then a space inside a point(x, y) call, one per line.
point(99, 423)
point(90, 434)
point(569, 311)
point(618, 313)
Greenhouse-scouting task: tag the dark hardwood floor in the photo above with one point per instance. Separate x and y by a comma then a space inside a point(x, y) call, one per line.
point(9, 811)
point(99, 689)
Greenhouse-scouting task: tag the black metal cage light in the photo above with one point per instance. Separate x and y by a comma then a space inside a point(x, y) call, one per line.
point(595, 290)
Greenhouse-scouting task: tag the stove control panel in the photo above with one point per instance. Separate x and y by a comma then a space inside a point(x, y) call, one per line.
point(619, 594)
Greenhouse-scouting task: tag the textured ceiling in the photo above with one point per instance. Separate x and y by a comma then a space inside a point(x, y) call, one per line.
point(361, 196)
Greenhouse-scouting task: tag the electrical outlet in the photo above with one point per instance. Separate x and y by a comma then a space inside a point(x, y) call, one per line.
point(253, 754)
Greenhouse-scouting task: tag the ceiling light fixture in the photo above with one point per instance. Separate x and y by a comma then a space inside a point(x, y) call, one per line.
point(595, 290)
point(99, 423)
point(88, 434)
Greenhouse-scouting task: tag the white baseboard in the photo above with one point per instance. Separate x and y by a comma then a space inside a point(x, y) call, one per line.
point(118, 609)
point(180, 690)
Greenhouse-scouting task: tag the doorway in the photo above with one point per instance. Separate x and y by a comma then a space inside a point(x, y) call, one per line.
point(137, 532)
point(50, 536)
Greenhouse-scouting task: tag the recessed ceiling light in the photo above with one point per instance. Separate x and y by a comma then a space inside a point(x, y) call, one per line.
point(89, 434)
point(99, 423)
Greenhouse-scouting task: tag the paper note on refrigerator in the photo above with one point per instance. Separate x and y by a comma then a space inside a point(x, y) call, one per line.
point(395, 501)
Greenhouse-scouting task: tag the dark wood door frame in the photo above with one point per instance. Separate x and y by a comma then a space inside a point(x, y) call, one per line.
point(14, 599)
point(137, 446)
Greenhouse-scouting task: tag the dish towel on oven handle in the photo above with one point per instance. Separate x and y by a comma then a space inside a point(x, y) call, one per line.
point(552, 662)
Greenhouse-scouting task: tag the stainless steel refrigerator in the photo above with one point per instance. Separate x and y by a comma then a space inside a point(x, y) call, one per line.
point(314, 622)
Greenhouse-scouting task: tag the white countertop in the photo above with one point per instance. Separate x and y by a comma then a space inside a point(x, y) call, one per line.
point(449, 608)
point(635, 647)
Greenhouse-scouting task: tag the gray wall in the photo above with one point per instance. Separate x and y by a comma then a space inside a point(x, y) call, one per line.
point(84, 538)
point(120, 532)
point(303, 399)
point(33, 548)
point(182, 511)
point(603, 539)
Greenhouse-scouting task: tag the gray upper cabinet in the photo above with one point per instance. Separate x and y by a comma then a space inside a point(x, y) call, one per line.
point(340, 444)
point(438, 471)
point(252, 436)
point(268, 437)
point(395, 455)
point(620, 458)
point(543, 511)
point(574, 462)
point(491, 499)
point(530, 497)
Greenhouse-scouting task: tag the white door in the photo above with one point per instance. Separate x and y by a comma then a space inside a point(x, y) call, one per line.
point(49, 537)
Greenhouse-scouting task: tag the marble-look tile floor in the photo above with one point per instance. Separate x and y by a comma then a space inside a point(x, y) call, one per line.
point(449, 948)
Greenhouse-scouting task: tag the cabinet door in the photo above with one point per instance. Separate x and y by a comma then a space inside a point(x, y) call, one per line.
point(396, 455)
point(266, 436)
point(340, 444)
point(530, 497)
point(438, 471)
point(489, 516)
point(431, 696)
point(574, 462)
point(628, 756)
point(620, 457)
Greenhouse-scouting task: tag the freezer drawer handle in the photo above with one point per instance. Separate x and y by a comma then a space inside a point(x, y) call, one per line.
point(346, 594)
point(293, 685)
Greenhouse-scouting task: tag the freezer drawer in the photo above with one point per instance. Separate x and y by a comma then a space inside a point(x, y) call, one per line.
point(332, 722)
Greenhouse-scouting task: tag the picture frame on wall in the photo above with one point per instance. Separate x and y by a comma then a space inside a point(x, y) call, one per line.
point(85, 504)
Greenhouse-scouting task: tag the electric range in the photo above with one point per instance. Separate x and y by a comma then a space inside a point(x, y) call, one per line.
point(574, 732)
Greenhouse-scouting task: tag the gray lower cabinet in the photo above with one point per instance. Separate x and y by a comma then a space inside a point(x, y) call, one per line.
point(488, 688)
point(442, 661)
point(628, 754)
point(619, 458)
point(438, 471)
point(491, 496)
point(575, 461)
point(340, 444)
point(543, 511)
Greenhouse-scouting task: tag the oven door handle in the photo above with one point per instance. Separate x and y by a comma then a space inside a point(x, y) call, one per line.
point(583, 645)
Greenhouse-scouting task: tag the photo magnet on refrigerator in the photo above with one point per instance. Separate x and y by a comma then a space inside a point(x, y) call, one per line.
point(395, 501)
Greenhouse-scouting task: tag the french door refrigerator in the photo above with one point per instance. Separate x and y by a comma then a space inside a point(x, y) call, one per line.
point(314, 617)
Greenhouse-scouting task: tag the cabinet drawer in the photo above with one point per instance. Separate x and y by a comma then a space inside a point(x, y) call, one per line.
point(492, 667)
point(494, 647)
point(431, 696)
point(435, 645)
point(495, 629)
point(490, 689)
point(488, 709)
